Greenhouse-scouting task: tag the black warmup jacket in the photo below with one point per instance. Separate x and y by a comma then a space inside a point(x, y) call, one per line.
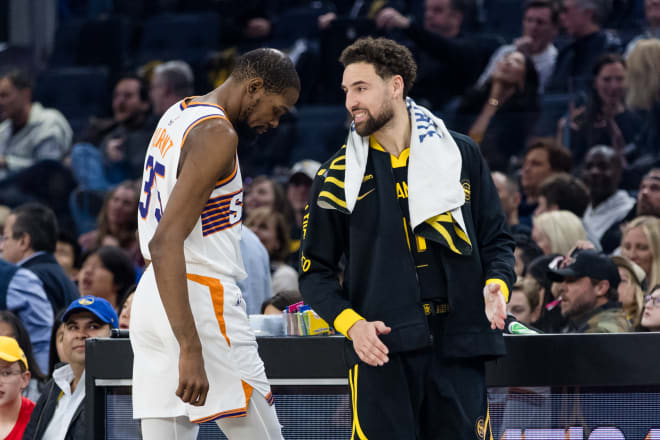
point(380, 279)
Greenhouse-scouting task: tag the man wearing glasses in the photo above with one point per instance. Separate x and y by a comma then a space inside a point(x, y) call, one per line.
point(15, 409)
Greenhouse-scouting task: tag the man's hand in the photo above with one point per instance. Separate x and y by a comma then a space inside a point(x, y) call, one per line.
point(390, 18)
point(366, 343)
point(524, 44)
point(193, 384)
point(495, 306)
point(114, 150)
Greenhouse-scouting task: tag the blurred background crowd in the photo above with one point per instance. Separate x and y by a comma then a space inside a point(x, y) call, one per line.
point(563, 97)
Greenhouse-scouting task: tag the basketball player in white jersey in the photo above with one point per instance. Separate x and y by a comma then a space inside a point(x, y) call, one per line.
point(196, 358)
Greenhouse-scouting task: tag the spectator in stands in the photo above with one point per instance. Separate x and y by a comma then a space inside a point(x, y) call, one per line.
point(437, 40)
point(29, 239)
point(11, 326)
point(501, 114)
point(510, 196)
point(652, 11)
point(117, 223)
point(257, 287)
point(631, 289)
point(651, 316)
point(67, 254)
point(644, 94)
point(562, 191)
point(15, 409)
point(543, 158)
point(648, 196)
point(113, 149)
point(540, 26)
point(604, 119)
point(557, 231)
point(551, 320)
point(525, 252)
point(171, 82)
point(609, 205)
point(266, 192)
point(300, 182)
point(280, 301)
point(582, 20)
point(28, 131)
point(525, 303)
point(125, 309)
point(60, 412)
point(22, 293)
point(641, 244)
point(273, 230)
point(588, 283)
point(107, 273)
point(57, 354)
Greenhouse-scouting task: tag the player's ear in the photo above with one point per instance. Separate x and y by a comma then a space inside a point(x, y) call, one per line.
point(255, 86)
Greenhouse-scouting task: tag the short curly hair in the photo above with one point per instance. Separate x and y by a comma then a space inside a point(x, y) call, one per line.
point(272, 66)
point(388, 57)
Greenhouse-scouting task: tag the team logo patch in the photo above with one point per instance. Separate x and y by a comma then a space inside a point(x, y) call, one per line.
point(480, 428)
point(85, 301)
point(466, 189)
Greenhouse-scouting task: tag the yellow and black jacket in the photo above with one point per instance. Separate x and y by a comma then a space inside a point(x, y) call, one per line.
point(381, 278)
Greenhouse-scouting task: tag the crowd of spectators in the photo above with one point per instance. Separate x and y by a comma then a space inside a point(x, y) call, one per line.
point(564, 103)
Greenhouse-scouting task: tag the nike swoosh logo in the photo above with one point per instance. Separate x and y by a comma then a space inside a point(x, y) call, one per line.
point(366, 194)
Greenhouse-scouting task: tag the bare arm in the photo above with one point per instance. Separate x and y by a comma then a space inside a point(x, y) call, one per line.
point(208, 155)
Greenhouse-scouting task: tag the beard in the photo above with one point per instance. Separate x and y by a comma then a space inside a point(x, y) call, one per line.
point(242, 127)
point(371, 125)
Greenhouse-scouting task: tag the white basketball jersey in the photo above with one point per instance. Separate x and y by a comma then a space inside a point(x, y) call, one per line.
point(215, 239)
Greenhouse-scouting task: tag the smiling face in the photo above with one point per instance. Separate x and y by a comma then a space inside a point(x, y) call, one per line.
point(609, 84)
point(511, 69)
point(635, 246)
point(368, 98)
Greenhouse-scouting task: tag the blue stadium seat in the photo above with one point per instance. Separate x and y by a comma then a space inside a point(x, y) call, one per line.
point(296, 23)
point(553, 108)
point(67, 40)
point(105, 42)
point(504, 17)
point(78, 92)
point(320, 131)
point(189, 37)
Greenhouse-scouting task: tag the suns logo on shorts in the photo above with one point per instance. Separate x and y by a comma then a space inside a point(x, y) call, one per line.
point(480, 428)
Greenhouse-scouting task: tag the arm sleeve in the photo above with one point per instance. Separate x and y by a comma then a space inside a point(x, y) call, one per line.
point(324, 238)
point(496, 244)
point(26, 297)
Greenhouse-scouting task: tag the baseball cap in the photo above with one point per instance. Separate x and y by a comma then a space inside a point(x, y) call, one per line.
point(305, 167)
point(639, 276)
point(100, 307)
point(10, 351)
point(588, 263)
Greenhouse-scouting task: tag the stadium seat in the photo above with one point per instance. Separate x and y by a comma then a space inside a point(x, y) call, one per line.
point(78, 92)
point(553, 108)
point(67, 40)
point(504, 17)
point(320, 131)
point(189, 37)
point(296, 23)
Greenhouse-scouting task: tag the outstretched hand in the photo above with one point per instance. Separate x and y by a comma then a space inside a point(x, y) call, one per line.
point(495, 306)
point(366, 342)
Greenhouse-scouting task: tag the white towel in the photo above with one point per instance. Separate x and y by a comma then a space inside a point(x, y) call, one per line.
point(434, 168)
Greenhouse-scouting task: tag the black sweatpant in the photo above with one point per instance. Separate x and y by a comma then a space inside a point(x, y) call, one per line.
point(420, 396)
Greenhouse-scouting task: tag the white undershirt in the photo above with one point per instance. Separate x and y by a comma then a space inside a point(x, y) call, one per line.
point(67, 404)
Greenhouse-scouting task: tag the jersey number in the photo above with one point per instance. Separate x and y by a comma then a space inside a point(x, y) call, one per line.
point(152, 169)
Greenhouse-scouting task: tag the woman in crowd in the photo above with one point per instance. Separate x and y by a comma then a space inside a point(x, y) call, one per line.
point(125, 309)
point(273, 230)
point(12, 327)
point(644, 94)
point(641, 243)
point(526, 300)
point(117, 223)
point(604, 120)
point(266, 192)
point(107, 273)
point(280, 301)
point(501, 114)
point(651, 316)
point(557, 231)
point(551, 320)
point(631, 288)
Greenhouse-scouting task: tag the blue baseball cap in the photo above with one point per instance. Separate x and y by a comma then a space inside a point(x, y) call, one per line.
point(100, 307)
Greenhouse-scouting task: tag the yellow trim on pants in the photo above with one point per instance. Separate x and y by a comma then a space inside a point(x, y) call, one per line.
point(352, 380)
